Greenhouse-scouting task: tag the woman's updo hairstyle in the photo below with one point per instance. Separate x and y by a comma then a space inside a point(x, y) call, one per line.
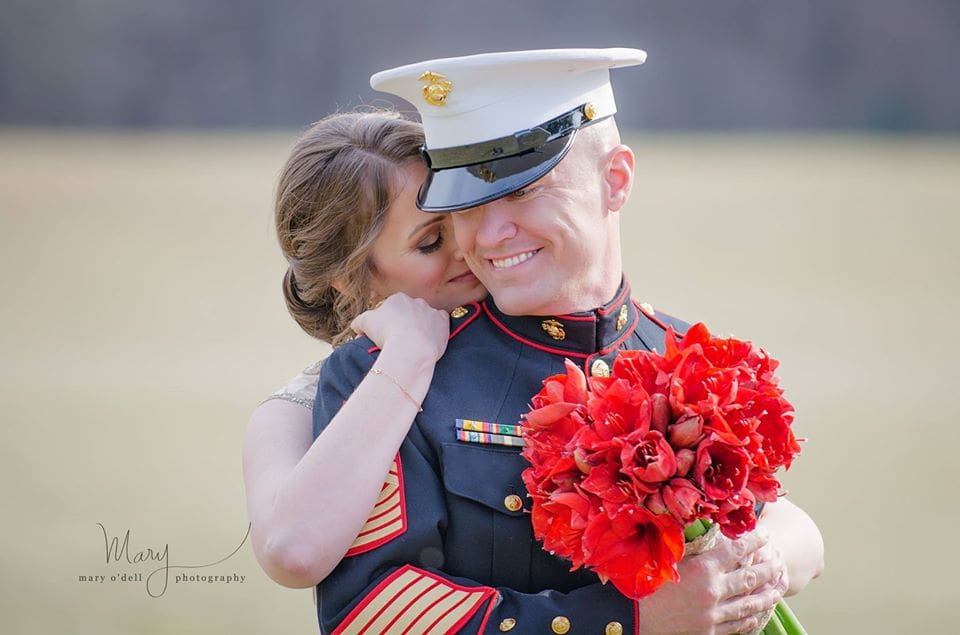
point(332, 199)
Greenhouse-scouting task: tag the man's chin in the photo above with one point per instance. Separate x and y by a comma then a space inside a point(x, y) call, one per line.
point(519, 302)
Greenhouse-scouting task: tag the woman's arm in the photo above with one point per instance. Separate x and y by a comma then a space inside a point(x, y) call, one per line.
point(278, 436)
point(308, 499)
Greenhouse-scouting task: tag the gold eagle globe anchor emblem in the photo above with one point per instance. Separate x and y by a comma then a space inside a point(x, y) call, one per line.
point(437, 88)
point(554, 329)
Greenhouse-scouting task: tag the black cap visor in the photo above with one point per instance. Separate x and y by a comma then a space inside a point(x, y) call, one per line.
point(455, 189)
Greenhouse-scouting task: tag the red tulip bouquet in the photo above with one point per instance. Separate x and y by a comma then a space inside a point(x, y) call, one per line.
point(625, 469)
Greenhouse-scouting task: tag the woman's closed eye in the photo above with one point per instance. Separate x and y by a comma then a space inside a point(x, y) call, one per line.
point(431, 242)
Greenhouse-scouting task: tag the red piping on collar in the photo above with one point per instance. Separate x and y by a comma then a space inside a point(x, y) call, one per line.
point(470, 319)
point(614, 305)
point(577, 318)
point(555, 351)
point(620, 340)
point(653, 318)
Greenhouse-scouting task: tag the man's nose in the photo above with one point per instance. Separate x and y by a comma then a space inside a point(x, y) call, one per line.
point(495, 224)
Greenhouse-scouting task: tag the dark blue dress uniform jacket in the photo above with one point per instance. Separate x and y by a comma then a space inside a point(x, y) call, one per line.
point(449, 553)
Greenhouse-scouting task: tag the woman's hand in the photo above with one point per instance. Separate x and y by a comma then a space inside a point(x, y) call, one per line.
point(402, 321)
point(718, 592)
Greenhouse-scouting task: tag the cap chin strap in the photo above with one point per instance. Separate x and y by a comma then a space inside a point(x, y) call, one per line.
point(511, 145)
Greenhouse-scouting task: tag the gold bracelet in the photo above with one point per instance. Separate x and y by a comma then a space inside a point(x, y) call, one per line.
point(377, 371)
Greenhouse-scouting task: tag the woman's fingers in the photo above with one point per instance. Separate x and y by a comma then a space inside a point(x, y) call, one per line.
point(409, 322)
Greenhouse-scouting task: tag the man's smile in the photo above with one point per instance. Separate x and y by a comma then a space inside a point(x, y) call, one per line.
point(513, 261)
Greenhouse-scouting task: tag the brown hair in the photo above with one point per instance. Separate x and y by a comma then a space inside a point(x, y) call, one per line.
point(331, 205)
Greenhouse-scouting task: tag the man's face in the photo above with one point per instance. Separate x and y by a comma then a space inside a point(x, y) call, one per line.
point(550, 248)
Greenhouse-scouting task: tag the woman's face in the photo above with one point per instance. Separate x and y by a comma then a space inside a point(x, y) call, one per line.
point(416, 253)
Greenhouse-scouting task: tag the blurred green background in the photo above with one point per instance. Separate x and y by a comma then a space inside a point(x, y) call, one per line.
point(797, 186)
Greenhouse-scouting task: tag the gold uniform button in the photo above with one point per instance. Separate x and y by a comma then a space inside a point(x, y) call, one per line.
point(458, 312)
point(560, 625)
point(613, 628)
point(513, 502)
point(507, 624)
point(599, 368)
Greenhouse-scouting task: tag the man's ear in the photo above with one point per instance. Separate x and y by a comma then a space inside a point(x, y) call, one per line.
point(618, 177)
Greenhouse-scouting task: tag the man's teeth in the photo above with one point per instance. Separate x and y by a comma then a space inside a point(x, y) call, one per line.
point(513, 261)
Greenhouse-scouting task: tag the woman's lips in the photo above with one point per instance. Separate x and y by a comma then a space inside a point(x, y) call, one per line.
point(467, 276)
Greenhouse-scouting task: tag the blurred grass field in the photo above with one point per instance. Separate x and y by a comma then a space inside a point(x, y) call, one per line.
point(142, 321)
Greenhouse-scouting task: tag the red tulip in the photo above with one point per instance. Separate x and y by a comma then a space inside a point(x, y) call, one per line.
point(648, 460)
point(685, 460)
point(684, 501)
point(604, 481)
point(736, 515)
point(686, 432)
point(654, 503)
point(660, 412)
point(763, 486)
point(721, 469)
point(635, 549)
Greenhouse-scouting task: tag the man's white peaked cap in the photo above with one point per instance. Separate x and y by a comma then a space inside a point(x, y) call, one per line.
point(493, 95)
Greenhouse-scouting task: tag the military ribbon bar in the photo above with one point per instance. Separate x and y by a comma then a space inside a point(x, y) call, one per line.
point(489, 433)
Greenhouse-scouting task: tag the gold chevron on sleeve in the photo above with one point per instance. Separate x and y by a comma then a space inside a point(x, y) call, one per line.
point(411, 600)
point(388, 519)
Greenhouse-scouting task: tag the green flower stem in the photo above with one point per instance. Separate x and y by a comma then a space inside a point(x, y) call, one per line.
point(774, 626)
point(694, 530)
point(783, 621)
point(790, 622)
